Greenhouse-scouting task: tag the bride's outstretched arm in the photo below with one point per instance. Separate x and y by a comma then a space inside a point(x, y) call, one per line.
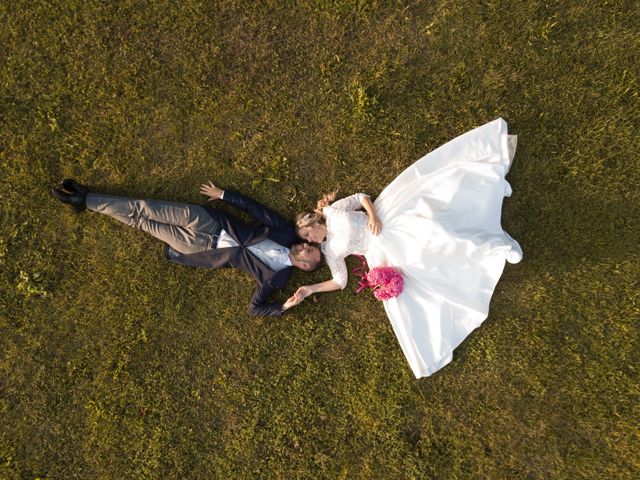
point(375, 225)
point(328, 286)
point(338, 282)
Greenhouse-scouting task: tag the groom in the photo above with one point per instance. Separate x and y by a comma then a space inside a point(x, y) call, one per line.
point(207, 237)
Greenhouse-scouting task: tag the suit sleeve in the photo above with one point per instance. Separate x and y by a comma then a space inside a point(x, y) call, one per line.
point(262, 214)
point(259, 306)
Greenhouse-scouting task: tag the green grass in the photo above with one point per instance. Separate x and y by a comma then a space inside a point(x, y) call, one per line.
point(116, 364)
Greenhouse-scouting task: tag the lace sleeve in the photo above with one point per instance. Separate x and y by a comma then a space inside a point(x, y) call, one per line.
point(338, 269)
point(352, 202)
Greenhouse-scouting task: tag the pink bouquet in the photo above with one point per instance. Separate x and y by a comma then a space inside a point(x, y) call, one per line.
point(386, 282)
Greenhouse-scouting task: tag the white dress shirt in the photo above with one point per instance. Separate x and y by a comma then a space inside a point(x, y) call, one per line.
point(272, 254)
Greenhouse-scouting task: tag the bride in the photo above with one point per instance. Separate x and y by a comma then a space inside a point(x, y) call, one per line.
point(438, 223)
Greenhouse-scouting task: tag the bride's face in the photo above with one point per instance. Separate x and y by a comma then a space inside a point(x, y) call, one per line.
point(313, 233)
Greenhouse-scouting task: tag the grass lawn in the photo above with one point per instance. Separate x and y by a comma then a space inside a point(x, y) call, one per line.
point(116, 364)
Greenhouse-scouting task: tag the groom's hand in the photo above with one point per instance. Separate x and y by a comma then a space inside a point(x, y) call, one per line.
point(210, 190)
point(292, 302)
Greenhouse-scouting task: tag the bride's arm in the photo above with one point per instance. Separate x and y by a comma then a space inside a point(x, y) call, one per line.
point(339, 273)
point(354, 202)
point(328, 286)
point(375, 225)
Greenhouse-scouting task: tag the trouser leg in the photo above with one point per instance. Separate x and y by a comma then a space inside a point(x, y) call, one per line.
point(185, 227)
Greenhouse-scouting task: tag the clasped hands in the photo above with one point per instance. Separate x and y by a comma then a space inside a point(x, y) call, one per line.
point(298, 297)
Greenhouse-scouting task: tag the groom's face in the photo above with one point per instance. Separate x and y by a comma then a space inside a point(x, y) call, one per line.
point(304, 252)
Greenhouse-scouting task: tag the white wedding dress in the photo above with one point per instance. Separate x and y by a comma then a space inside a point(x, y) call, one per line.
point(441, 229)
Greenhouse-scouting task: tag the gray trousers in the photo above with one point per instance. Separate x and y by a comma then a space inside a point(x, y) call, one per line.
point(186, 227)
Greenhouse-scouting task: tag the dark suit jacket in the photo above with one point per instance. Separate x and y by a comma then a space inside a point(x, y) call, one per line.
point(272, 226)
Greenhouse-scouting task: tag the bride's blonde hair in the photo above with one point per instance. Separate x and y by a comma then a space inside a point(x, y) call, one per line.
point(307, 219)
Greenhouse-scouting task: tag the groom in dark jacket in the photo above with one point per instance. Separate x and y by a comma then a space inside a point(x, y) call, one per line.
point(207, 237)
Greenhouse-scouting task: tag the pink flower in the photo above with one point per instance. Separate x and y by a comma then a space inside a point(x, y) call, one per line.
point(387, 282)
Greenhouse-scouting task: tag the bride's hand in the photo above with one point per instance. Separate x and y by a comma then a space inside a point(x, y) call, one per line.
point(375, 225)
point(303, 292)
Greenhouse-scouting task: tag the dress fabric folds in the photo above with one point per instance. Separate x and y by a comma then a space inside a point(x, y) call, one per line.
point(441, 229)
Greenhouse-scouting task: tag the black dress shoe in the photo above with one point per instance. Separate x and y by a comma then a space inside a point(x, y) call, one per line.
point(76, 200)
point(71, 186)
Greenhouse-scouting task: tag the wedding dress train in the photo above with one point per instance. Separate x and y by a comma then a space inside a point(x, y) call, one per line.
point(441, 229)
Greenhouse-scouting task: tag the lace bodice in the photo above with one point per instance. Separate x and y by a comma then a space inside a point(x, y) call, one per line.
point(347, 234)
